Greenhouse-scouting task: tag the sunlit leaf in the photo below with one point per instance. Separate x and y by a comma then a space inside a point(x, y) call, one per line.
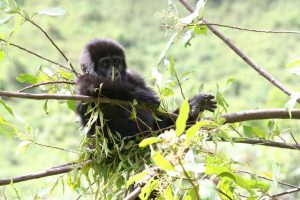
point(136, 178)
point(148, 188)
point(58, 11)
point(192, 131)
point(27, 78)
point(160, 161)
point(198, 13)
point(148, 141)
point(18, 22)
point(294, 62)
point(182, 118)
point(7, 108)
point(169, 44)
point(22, 147)
point(291, 103)
point(1, 55)
point(187, 38)
point(167, 92)
point(157, 76)
point(6, 20)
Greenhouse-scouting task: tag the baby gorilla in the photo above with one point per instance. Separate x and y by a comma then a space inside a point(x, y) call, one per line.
point(106, 75)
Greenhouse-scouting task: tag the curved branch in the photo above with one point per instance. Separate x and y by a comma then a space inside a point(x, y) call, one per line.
point(291, 191)
point(37, 55)
point(49, 172)
point(241, 54)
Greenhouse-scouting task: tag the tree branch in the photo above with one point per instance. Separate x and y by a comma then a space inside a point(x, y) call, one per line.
point(294, 190)
point(37, 55)
point(241, 54)
point(263, 142)
point(274, 113)
point(230, 118)
point(49, 172)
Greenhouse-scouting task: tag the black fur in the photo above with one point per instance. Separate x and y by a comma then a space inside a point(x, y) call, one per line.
point(128, 87)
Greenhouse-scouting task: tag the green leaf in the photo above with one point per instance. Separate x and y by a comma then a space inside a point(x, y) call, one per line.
point(148, 141)
point(200, 29)
point(67, 75)
point(171, 66)
point(136, 178)
point(148, 188)
point(160, 161)
point(247, 130)
point(167, 92)
point(1, 55)
point(291, 103)
point(6, 20)
point(72, 105)
point(294, 63)
point(7, 108)
point(7, 128)
point(192, 131)
point(182, 118)
point(187, 37)
point(45, 107)
point(58, 11)
point(18, 22)
point(22, 147)
point(27, 78)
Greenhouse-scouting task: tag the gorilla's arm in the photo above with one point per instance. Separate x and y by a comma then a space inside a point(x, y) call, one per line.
point(91, 85)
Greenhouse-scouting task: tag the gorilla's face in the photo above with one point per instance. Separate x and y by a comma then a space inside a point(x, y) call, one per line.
point(110, 67)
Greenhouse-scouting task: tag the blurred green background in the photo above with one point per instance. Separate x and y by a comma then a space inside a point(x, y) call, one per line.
point(136, 24)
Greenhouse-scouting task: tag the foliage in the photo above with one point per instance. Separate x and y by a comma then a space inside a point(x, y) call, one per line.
point(186, 162)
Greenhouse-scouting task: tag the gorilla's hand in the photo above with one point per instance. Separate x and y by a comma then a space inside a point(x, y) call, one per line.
point(201, 102)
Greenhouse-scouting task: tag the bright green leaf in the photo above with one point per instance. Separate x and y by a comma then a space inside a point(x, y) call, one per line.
point(192, 131)
point(27, 78)
point(1, 55)
point(148, 188)
point(58, 11)
point(182, 118)
point(167, 92)
point(294, 62)
point(160, 161)
point(72, 105)
point(136, 178)
point(8, 109)
point(148, 141)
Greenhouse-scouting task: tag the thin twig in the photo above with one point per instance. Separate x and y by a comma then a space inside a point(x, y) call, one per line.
point(241, 54)
point(189, 179)
point(291, 191)
point(35, 54)
point(54, 147)
point(49, 172)
point(294, 138)
point(51, 40)
point(45, 83)
point(251, 29)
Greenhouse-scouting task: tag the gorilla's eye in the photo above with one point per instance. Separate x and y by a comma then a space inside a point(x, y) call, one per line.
point(104, 64)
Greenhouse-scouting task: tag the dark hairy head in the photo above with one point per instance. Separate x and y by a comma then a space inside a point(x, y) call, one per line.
point(104, 58)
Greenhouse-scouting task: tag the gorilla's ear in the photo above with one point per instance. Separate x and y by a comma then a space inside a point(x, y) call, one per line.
point(86, 62)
